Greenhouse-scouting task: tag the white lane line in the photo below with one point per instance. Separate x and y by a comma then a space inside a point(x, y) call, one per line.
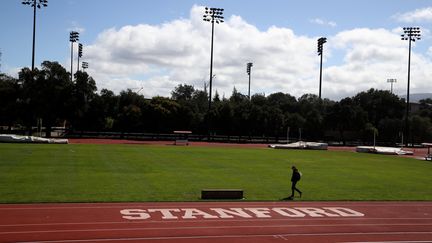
point(231, 236)
point(204, 227)
point(207, 205)
point(410, 241)
point(282, 237)
point(213, 221)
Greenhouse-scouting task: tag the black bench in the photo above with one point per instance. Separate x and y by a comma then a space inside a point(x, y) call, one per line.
point(222, 194)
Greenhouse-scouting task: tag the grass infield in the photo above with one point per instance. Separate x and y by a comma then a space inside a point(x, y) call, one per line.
point(114, 173)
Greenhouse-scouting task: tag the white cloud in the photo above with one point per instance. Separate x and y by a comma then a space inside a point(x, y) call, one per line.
point(371, 57)
point(323, 22)
point(76, 27)
point(159, 57)
point(416, 16)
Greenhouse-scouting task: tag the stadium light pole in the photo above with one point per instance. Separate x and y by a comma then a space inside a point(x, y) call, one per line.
point(248, 71)
point(391, 81)
point(212, 15)
point(321, 42)
point(35, 4)
point(411, 34)
point(73, 37)
point(80, 54)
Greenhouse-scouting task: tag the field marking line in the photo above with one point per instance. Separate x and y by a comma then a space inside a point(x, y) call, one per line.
point(208, 205)
point(227, 236)
point(280, 237)
point(203, 227)
point(182, 221)
point(410, 241)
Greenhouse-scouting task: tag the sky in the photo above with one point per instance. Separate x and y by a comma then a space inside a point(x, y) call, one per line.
point(151, 47)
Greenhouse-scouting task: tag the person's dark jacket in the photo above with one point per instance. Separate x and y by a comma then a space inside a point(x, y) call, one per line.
point(295, 176)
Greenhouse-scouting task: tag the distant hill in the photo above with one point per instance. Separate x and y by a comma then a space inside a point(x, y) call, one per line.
point(417, 97)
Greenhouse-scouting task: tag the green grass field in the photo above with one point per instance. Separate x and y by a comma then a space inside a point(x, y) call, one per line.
point(113, 173)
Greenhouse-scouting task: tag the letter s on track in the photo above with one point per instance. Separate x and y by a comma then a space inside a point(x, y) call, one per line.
point(134, 214)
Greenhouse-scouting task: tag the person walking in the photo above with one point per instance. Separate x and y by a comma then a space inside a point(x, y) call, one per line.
point(296, 176)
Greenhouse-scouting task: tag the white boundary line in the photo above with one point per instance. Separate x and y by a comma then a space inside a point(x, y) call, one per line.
point(231, 236)
point(417, 241)
point(215, 204)
point(182, 221)
point(204, 227)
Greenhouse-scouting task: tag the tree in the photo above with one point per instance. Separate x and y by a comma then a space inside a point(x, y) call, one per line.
point(390, 129)
point(370, 132)
point(163, 114)
point(241, 108)
point(421, 129)
point(84, 91)
point(46, 95)
point(345, 116)
point(106, 105)
point(259, 100)
point(258, 116)
point(380, 104)
point(130, 111)
point(425, 109)
point(274, 121)
point(223, 118)
point(312, 109)
point(285, 102)
point(9, 100)
point(50, 95)
point(216, 98)
point(182, 92)
point(200, 101)
point(200, 107)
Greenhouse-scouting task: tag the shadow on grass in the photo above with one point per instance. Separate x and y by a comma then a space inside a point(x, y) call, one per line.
point(287, 199)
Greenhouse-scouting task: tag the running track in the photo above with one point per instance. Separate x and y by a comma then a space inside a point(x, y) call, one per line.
point(217, 222)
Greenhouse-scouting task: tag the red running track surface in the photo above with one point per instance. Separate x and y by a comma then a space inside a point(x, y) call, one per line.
point(419, 153)
point(286, 221)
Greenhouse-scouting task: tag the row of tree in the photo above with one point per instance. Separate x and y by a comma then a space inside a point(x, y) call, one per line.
point(50, 95)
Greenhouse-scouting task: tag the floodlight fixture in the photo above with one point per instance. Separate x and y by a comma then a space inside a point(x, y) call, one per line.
point(80, 54)
point(73, 36)
point(34, 3)
point(391, 81)
point(80, 50)
point(84, 65)
point(321, 42)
